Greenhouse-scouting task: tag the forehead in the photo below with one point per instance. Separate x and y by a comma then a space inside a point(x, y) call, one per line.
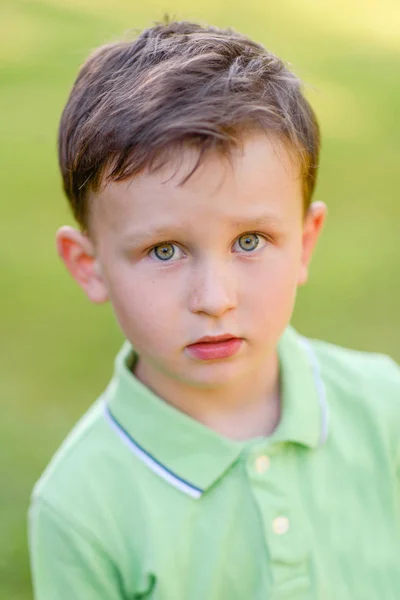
point(259, 174)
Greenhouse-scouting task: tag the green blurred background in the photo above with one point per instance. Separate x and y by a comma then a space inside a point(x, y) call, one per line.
point(56, 348)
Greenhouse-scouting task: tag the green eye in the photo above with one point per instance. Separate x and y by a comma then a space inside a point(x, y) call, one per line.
point(249, 241)
point(165, 251)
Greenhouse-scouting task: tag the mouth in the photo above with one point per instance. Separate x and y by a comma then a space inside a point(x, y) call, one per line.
point(214, 339)
point(217, 347)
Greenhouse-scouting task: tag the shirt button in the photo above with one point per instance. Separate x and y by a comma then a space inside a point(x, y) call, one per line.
point(262, 464)
point(280, 525)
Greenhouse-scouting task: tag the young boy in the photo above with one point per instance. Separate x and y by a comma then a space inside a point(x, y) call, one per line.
point(229, 458)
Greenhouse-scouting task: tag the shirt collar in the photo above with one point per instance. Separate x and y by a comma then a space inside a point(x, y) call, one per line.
point(187, 453)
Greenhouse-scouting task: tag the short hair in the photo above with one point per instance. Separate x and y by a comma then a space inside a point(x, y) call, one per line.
point(177, 82)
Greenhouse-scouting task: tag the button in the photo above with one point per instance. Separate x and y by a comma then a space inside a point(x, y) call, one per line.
point(280, 525)
point(262, 464)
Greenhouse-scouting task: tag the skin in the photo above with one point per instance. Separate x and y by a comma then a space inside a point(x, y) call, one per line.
point(210, 285)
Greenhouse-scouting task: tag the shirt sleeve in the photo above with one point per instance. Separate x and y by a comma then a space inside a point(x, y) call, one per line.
point(65, 562)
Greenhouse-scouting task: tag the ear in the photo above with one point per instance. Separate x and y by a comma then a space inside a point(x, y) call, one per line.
point(313, 224)
point(77, 252)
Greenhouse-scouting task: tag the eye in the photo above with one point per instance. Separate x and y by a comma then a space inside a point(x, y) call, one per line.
point(249, 241)
point(165, 252)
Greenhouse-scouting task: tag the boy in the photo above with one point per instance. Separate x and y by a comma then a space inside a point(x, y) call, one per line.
point(229, 458)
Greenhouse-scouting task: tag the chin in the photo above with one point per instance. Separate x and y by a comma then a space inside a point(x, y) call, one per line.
point(213, 374)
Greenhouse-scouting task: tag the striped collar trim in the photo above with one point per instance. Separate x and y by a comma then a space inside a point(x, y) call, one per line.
point(320, 387)
point(149, 460)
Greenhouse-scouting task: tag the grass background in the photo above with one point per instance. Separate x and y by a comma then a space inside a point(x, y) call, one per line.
point(57, 349)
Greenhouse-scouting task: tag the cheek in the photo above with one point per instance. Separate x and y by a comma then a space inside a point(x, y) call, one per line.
point(271, 293)
point(145, 309)
point(275, 295)
point(277, 274)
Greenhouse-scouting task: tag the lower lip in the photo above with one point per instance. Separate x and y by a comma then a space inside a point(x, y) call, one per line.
point(213, 351)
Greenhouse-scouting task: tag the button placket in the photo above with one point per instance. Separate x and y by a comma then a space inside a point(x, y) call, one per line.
point(273, 476)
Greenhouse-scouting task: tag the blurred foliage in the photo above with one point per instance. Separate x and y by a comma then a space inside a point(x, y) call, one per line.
point(348, 52)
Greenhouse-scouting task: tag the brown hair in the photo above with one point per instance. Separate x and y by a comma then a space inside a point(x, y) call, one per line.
point(177, 82)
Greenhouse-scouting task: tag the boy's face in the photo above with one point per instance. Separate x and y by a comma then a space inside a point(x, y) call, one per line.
point(235, 248)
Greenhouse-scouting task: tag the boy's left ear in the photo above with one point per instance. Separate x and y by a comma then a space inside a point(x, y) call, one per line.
point(313, 224)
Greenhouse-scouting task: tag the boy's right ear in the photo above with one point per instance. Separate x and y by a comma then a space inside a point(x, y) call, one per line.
point(77, 252)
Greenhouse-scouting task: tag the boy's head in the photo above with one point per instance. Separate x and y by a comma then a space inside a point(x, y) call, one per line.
point(189, 157)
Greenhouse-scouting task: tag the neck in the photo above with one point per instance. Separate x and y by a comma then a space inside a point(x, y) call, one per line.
point(248, 408)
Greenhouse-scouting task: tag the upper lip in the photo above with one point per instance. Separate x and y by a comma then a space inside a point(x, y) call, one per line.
point(215, 338)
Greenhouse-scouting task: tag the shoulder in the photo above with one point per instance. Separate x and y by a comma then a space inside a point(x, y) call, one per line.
point(88, 509)
point(356, 371)
point(83, 442)
point(87, 477)
point(363, 390)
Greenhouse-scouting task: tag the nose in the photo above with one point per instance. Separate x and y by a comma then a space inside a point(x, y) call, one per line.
point(212, 289)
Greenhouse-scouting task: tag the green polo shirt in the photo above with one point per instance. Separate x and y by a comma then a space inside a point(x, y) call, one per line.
point(142, 501)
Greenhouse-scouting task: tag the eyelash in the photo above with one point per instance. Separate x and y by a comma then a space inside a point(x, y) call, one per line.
point(259, 235)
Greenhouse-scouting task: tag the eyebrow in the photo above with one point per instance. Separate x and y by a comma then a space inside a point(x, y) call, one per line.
point(263, 220)
point(167, 231)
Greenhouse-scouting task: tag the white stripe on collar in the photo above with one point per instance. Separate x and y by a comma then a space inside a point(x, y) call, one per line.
point(150, 461)
point(319, 384)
